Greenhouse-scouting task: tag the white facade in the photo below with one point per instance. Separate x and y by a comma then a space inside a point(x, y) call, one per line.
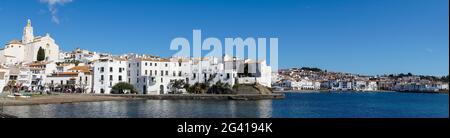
point(20, 75)
point(80, 77)
point(153, 75)
point(4, 78)
point(107, 73)
point(39, 72)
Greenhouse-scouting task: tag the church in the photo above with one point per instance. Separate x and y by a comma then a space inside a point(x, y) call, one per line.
point(25, 51)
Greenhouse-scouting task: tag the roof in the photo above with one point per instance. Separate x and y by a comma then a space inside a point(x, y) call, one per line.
point(65, 74)
point(37, 64)
point(154, 59)
point(120, 59)
point(9, 56)
point(14, 42)
point(81, 68)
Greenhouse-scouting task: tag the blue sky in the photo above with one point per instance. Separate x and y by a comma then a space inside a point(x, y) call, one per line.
point(358, 36)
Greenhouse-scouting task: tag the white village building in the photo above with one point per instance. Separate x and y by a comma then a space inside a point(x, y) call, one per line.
point(108, 72)
point(153, 75)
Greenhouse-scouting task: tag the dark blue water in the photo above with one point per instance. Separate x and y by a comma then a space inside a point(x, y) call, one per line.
point(296, 105)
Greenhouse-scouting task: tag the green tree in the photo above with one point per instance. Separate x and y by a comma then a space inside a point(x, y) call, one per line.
point(220, 88)
point(176, 86)
point(198, 88)
point(120, 88)
point(41, 54)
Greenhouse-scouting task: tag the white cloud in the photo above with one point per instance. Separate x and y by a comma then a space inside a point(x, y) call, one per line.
point(52, 7)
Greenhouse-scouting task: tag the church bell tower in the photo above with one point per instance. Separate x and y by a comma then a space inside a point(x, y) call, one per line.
point(28, 35)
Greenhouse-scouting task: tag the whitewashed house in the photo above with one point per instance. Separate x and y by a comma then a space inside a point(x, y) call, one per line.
point(108, 72)
point(78, 78)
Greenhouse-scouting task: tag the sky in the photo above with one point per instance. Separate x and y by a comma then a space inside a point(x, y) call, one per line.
point(358, 36)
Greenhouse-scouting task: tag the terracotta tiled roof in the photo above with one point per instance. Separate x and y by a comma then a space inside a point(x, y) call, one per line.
point(81, 68)
point(120, 59)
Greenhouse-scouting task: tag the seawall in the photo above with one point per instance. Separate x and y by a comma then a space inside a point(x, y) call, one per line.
point(201, 96)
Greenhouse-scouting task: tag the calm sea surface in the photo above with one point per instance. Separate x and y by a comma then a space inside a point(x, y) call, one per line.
point(296, 105)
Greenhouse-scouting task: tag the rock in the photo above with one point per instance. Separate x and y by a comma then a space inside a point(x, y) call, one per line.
point(252, 89)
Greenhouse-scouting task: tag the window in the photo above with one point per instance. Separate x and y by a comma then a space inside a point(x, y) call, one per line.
point(129, 80)
point(86, 78)
point(111, 77)
point(120, 77)
point(156, 64)
point(137, 64)
point(156, 72)
point(179, 73)
point(120, 70)
point(102, 69)
point(166, 64)
point(61, 82)
point(146, 72)
point(174, 74)
point(129, 65)
point(167, 73)
point(151, 64)
point(162, 73)
point(151, 72)
point(179, 64)
point(110, 69)
point(161, 80)
point(101, 78)
point(146, 63)
point(137, 74)
point(228, 75)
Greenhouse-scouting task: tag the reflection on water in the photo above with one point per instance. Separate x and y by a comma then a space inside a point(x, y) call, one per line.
point(304, 105)
point(149, 109)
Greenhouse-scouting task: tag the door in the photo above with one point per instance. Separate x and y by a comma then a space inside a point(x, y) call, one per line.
point(161, 89)
point(144, 89)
